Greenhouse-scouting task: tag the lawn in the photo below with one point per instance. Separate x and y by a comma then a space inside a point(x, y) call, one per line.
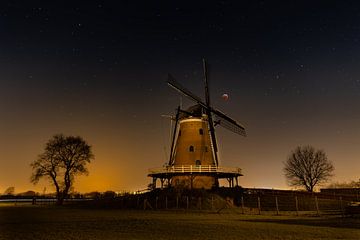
point(50, 222)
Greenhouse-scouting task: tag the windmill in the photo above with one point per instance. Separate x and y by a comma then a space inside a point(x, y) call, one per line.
point(193, 160)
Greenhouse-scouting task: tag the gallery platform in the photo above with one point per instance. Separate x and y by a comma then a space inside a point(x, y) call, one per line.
point(231, 174)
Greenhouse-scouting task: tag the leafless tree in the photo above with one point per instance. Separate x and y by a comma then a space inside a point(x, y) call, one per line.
point(64, 158)
point(9, 191)
point(307, 167)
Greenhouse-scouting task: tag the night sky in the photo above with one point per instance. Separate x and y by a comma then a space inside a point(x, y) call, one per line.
point(98, 70)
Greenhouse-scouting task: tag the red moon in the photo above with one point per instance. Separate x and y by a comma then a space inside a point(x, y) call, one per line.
point(225, 96)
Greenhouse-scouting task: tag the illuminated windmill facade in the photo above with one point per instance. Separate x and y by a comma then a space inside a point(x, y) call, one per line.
point(193, 161)
point(193, 148)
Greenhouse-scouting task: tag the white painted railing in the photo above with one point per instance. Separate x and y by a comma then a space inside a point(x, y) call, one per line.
point(194, 169)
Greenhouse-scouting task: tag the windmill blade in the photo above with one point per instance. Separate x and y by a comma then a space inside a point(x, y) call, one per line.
point(171, 158)
point(177, 86)
point(228, 123)
point(208, 112)
point(206, 84)
point(213, 138)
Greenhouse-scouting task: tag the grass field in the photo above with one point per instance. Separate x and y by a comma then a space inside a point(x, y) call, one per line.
point(51, 222)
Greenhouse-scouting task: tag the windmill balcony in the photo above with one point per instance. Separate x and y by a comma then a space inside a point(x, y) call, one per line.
point(195, 169)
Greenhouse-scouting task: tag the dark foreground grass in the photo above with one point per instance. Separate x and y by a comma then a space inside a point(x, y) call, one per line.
point(39, 222)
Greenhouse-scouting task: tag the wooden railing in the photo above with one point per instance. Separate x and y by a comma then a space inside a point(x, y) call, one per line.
point(195, 169)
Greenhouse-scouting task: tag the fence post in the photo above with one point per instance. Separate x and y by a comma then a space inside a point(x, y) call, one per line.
point(212, 202)
point(341, 207)
point(156, 202)
point(242, 205)
point(259, 206)
point(317, 206)
point(199, 203)
point(277, 205)
point(187, 202)
point(177, 202)
point(166, 202)
point(297, 206)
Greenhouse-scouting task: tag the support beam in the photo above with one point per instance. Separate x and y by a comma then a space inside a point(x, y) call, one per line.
point(154, 182)
point(192, 177)
point(162, 182)
point(229, 180)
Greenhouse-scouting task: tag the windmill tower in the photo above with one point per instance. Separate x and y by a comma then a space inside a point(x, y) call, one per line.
point(193, 160)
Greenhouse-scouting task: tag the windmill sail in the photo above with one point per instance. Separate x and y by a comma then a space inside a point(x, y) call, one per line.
point(177, 86)
point(172, 150)
point(220, 118)
point(208, 112)
point(228, 123)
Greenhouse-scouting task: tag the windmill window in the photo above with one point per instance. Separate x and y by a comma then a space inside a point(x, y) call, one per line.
point(206, 149)
point(201, 131)
point(197, 162)
point(191, 148)
point(179, 132)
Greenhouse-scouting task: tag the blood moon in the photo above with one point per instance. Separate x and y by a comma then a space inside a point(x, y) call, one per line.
point(225, 96)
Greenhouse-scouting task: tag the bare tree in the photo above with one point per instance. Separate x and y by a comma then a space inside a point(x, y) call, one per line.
point(307, 167)
point(64, 158)
point(9, 191)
